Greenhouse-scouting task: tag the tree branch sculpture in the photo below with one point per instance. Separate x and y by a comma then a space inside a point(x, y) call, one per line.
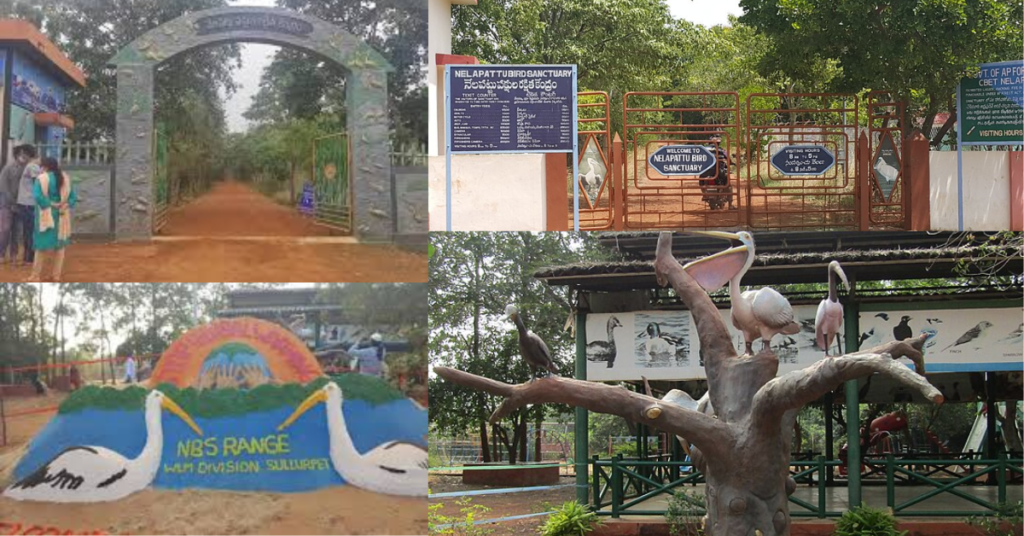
point(744, 449)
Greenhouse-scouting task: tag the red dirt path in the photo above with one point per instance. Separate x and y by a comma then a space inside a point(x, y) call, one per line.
point(235, 234)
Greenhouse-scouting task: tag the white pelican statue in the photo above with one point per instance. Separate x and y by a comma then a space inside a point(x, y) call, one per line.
point(828, 322)
point(95, 474)
point(762, 312)
point(395, 467)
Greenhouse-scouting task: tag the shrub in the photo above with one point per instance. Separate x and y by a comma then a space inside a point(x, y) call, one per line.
point(685, 513)
point(1008, 521)
point(461, 525)
point(864, 521)
point(570, 519)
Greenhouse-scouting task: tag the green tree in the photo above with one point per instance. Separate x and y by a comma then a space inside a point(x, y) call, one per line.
point(917, 50)
point(473, 277)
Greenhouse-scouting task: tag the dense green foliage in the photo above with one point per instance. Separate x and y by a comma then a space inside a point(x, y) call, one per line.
point(685, 513)
point(1008, 521)
point(296, 86)
point(212, 403)
point(570, 519)
point(865, 521)
point(473, 277)
point(916, 49)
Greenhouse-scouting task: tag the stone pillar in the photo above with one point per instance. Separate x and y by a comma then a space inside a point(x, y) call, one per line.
point(134, 170)
point(367, 121)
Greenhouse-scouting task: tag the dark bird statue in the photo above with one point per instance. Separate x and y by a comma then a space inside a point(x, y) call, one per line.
point(903, 331)
point(532, 347)
point(971, 334)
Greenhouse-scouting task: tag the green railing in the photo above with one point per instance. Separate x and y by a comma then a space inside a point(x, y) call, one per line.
point(912, 471)
point(621, 486)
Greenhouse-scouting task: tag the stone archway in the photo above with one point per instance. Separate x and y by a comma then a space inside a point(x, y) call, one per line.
point(366, 103)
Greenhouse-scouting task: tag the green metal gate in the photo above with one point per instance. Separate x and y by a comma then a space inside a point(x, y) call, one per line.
point(161, 182)
point(331, 174)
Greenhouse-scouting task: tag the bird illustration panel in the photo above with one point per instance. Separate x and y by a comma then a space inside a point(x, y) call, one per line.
point(661, 339)
point(957, 339)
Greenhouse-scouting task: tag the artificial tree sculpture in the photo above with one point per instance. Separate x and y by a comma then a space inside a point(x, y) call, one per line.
point(744, 448)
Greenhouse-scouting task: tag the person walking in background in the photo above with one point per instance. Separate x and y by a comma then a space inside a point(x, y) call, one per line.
point(368, 356)
point(75, 378)
point(25, 207)
point(10, 182)
point(55, 197)
point(130, 370)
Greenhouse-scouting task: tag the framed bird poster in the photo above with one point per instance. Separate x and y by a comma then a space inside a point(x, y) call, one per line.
point(958, 340)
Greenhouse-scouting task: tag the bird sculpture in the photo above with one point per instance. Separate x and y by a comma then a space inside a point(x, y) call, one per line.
point(96, 474)
point(972, 334)
point(762, 312)
point(903, 331)
point(661, 344)
point(828, 322)
point(532, 347)
point(591, 180)
point(604, 350)
point(394, 467)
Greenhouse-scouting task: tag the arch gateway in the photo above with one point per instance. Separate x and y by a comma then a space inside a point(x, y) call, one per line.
point(366, 104)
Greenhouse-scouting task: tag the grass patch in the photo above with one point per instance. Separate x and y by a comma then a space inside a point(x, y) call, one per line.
point(214, 403)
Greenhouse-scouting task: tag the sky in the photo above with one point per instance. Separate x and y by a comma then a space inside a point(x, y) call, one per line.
point(255, 57)
point(706, 12)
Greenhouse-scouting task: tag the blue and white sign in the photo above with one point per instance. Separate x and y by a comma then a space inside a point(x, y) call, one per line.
point(525, 109)
point(511, 109)
point(803, 160)
point(675, 160)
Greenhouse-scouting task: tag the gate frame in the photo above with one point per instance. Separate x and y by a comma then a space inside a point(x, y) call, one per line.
point(869, 176)
point(366, 103)
point(683, 186)
point(349, 207)
point(851, 183)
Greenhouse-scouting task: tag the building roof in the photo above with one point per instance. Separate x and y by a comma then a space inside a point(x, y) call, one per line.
point(793, 257)
point(23, 33)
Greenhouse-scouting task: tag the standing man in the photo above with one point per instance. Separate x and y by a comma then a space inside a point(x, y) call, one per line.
point(25, 210)
point(129, 370)
point(10, 183)
point(368, 358)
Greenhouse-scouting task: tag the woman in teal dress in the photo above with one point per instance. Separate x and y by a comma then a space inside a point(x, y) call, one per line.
point(55, 196)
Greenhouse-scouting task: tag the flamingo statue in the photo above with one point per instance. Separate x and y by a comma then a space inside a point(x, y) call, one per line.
point(96, 474)
point(395, 467)
point(762, 312)
point(829, 319)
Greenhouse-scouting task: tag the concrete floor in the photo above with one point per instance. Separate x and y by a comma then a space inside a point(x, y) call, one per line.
point(836, 499)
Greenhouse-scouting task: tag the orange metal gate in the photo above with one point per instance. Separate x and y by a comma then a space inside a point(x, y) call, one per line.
point(778, 120)
point(597, 191)
point(886, 174)
point(652, 120)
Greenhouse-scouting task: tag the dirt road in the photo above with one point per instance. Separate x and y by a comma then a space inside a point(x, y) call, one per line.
point(235, 234)
point(336, 510)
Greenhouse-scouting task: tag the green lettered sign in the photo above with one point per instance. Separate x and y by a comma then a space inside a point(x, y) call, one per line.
point(988, 113)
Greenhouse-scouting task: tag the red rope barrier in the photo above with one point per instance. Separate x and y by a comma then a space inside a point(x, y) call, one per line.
point(16, 529)
point(76, 363)
point(32, 411)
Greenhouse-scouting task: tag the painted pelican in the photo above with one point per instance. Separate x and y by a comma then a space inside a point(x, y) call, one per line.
point(762, 312)
point(395, 467)
point(95, 474)
point(829, 319)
